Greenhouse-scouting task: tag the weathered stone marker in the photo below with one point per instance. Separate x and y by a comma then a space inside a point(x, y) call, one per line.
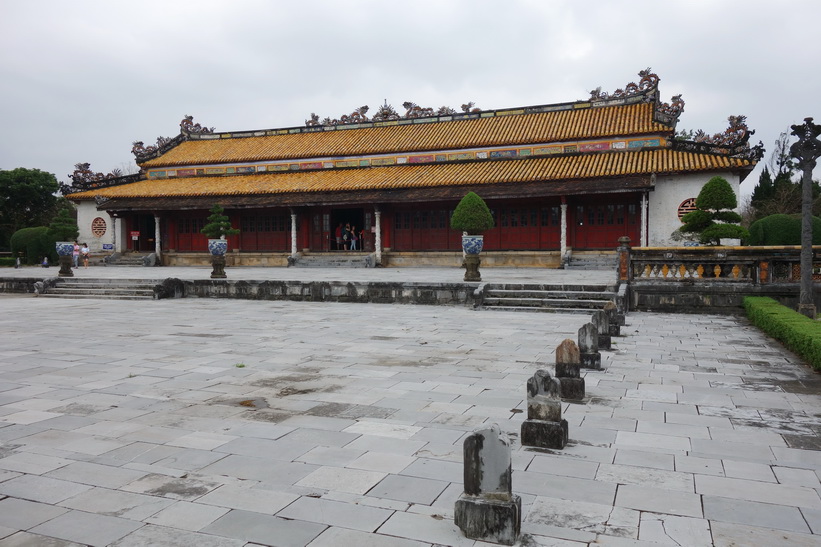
point(602, 322)
point(488, 510)
point(544, 427)
point(568, 364)
point(616, 320)
point(589, 346)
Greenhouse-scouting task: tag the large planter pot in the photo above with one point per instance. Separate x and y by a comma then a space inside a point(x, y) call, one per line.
point(217, 247)
point(64, 251)
point(64, 248)
point(472, 244)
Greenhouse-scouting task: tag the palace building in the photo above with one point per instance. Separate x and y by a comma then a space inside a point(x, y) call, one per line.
point(571, 176)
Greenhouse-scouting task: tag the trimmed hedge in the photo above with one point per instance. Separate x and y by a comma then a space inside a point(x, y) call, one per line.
point(34, 243)
point(782, 230)
point(7, 261)
point(796, 331)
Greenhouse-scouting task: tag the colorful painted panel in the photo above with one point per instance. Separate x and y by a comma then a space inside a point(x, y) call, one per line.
point(186, 172)
point(594, 146)
point(644, 143)
point(429, 158)
point(547, 150)
point(383, 161)
point(503, 154)
point(311, 165)
point(348, 163)
point(461, 156)
point(157, 174)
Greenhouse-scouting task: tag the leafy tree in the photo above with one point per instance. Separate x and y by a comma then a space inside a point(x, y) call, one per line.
point(472, 215)
point(714, 218)
point(27, 198)
point(219, 225)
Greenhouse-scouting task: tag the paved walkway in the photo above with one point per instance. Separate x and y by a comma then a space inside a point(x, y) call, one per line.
point(209, 422)
point(442, 275)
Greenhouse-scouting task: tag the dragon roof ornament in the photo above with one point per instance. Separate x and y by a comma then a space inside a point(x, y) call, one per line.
point(83, 178)
point(188, 126)
point(386, 112)
point(733, 141)
point(648, 82)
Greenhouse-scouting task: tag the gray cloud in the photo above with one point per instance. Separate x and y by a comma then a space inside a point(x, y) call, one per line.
point(81, 80)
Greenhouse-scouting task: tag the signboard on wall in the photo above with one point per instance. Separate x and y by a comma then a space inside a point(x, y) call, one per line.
point(108, 246)
point(135, 235)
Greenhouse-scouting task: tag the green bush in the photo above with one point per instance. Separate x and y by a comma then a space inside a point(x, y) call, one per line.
point(796, 331)
point(717, 194)
point(34, 244)
point(64, 226)
point(472, 215)
point(7, 261)
point(782, 230)
point(713, 220)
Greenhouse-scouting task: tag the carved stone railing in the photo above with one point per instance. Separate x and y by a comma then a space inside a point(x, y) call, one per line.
point(756, 265)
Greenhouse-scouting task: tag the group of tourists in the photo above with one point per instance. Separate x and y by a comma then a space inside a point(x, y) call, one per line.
point(348, 237)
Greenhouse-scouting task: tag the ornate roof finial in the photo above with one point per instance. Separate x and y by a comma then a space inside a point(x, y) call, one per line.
point(187, 126)
point(648, 82)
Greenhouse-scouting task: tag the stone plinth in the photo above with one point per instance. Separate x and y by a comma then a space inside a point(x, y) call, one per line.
point(568, 370)
point(589, 355)
point(602, 322)
point(488, 510)
point(544, 427)
point(616, 319)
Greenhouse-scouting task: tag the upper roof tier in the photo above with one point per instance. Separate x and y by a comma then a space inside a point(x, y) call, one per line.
point(502, 129)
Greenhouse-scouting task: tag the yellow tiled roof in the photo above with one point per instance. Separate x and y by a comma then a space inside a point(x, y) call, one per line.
point(543, 127)
point(576, 167)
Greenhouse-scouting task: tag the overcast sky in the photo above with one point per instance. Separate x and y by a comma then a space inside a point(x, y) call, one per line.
point(81, 80)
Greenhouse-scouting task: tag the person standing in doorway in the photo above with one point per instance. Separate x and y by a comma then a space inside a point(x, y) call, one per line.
point(354, 239)
point(346, 236)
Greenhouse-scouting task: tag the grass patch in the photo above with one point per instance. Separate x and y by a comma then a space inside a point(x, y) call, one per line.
point(796, 331)
point(240, 365)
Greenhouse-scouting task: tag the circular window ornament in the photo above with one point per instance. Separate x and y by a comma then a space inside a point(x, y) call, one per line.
point(98, 227)
point(687, 206)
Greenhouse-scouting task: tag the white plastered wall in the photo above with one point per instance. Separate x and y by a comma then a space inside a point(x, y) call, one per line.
point(668, 195)
point(86, 214)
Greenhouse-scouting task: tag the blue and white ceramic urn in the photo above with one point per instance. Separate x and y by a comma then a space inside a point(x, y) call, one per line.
point(472, 245)
point(217, 247)
point(64, 248)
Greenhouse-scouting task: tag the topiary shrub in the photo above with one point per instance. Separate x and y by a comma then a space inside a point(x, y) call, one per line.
point(713, 219)
point(33, 244)
point(64, 226)
point(782, 230)
point(472, 215)
point(219, 224)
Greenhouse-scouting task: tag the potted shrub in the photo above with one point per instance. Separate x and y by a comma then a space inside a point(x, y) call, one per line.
point(472, 217)
point(714, 218)
point(63, 231)
point(217, 229)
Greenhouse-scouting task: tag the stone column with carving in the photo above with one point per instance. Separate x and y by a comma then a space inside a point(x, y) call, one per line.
point(488, 510)
point(377, 244)
point(563, 248)
point(589, 354)
point(602, 322)
point(157, 238)
point(293, 234)
point(568, 370)
point(644, 206)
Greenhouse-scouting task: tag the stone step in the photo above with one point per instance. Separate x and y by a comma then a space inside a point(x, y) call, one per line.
point(546, 302)
point(538, 310)
point(129, 289)
point(551, 295)
point(119, 291)
point(350, 259)
point(96, 296)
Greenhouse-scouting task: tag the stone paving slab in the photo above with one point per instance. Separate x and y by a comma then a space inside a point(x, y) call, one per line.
point(344, 426)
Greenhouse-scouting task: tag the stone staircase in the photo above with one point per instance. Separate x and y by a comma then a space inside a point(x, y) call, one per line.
point(548, 298)
point(604, 260)
point(341, 259)
point(111, 289)
point(126, 259)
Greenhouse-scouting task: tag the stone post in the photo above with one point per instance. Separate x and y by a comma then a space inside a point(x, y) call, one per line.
point(563, 236)
point(472, 268)
point(623, 251)
point(544, 427)
point(616, 319)
point(602, 322)
point(568, 365)
point(589, 347)
point(294, 249)
point(488, 510)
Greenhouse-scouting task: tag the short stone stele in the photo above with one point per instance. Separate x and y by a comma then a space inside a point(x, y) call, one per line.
point(568, 365)
point(602, 322)
point(589, 354)
point(488, 510)
point(544, 427)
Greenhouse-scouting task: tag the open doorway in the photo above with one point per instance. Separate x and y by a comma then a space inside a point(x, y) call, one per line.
point(354, 218)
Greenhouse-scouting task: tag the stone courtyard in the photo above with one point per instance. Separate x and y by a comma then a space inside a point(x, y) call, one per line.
point(209, 422)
